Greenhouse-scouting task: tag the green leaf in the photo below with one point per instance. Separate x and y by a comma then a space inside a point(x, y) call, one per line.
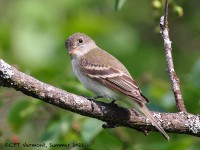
point(119, 4)
point(178, 10)
point(194, 75)
point(90, 128)
point(57, 129)
point(19, 113)
point(109, 140)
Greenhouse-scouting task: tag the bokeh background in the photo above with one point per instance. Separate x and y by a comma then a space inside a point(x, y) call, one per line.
point(32, 37)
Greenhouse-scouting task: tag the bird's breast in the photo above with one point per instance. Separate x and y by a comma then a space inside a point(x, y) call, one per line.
point(91, 84)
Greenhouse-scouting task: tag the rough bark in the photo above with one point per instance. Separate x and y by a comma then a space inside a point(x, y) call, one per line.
point(181, 122)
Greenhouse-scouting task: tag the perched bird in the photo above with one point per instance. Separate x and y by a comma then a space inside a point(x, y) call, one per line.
point(104, 75)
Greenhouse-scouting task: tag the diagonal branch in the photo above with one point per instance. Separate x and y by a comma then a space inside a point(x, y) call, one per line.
point(182, 123)
point(168, 48)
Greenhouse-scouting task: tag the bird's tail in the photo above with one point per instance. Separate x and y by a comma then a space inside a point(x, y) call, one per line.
point(149, 115)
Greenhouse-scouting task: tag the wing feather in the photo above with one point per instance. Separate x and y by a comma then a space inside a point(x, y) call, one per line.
point(114, 79)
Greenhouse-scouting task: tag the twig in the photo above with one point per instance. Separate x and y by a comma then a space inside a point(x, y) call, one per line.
point(168, 48)
point(182, 123)
point(166, 14)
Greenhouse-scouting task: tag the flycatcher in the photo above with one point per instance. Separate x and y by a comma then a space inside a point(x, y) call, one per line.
point(104, 75)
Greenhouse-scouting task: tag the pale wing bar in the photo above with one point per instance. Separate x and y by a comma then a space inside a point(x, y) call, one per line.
point(118, 81)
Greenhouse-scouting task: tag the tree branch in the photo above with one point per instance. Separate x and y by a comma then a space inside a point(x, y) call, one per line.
point(182, 123)
point(168, 49)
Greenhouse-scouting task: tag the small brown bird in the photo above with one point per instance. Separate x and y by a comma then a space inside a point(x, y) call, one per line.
point(104, 75)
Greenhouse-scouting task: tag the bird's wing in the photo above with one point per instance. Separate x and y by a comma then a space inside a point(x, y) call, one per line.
point(116, 78)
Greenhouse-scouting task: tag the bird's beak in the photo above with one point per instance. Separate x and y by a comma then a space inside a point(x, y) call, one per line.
point(73, 50)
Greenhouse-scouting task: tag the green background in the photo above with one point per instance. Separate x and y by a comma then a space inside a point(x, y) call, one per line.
point(32, 37)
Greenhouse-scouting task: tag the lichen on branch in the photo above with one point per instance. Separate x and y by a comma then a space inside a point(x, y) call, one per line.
point(116, 116)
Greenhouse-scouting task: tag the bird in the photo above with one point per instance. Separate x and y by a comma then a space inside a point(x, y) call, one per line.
point(104, 75)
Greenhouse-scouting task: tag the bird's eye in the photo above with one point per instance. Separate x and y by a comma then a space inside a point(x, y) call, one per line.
point(80, 40)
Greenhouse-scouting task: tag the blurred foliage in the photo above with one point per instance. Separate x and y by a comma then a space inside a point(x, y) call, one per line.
point(119, 4)
point(32, 36)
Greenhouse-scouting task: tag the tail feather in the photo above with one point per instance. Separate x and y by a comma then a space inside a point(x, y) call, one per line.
point(148, 114)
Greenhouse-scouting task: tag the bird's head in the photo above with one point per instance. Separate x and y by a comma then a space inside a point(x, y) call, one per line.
point(79, 44)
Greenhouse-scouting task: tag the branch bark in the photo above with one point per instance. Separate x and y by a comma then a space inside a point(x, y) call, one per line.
point(181, 122)
point(164, 30)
